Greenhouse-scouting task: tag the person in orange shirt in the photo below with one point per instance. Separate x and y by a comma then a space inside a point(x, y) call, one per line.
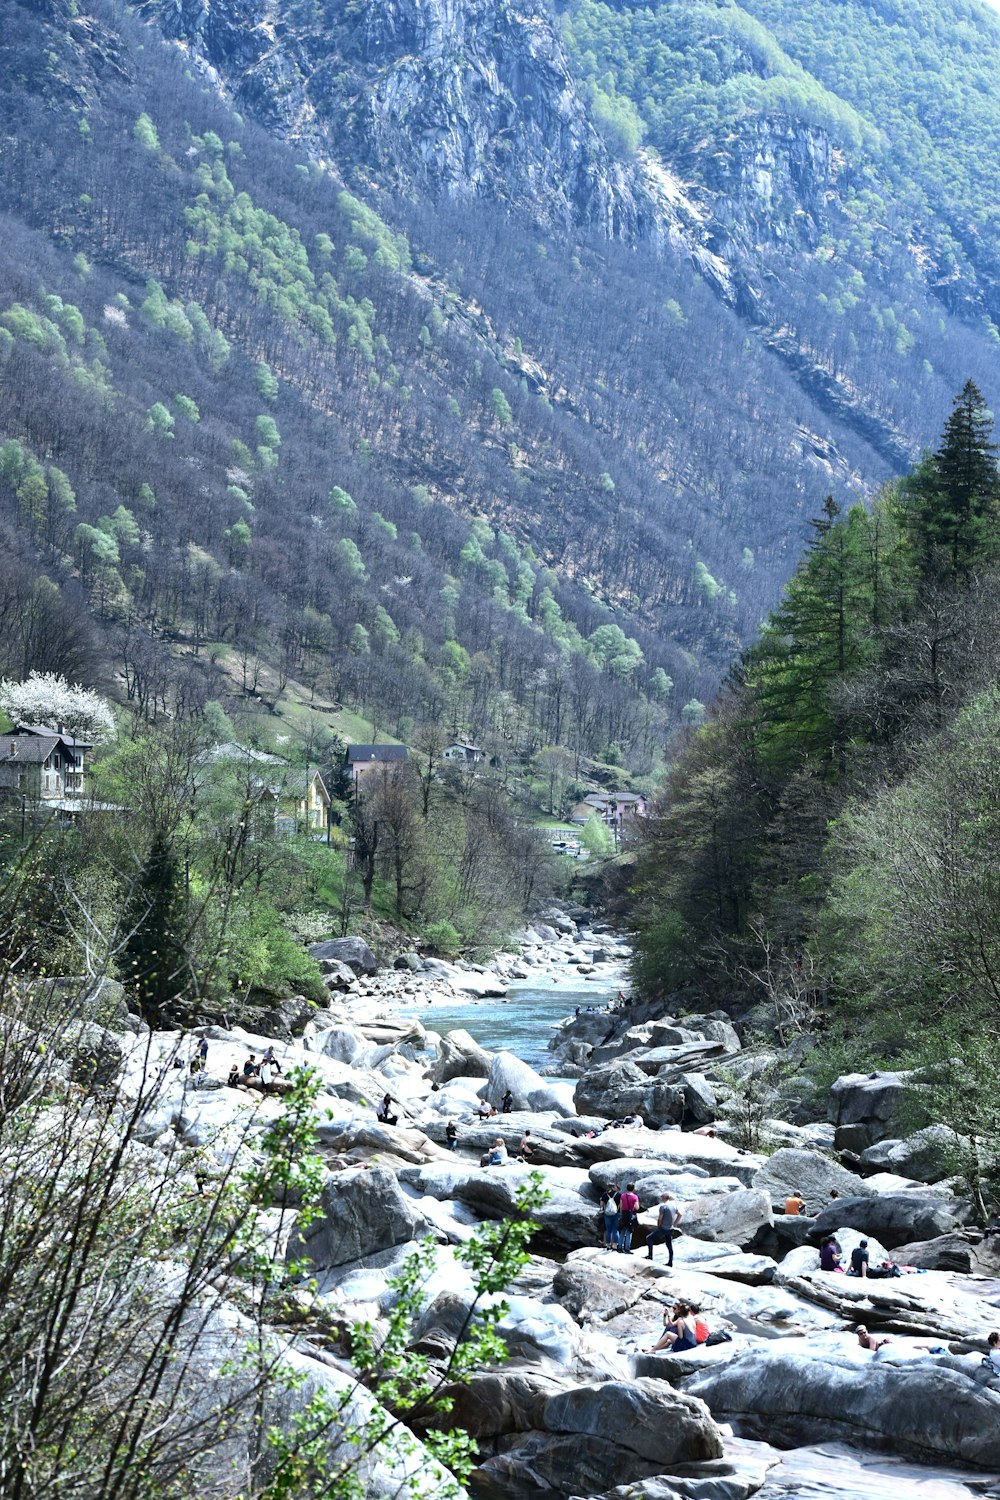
point(795, 1204)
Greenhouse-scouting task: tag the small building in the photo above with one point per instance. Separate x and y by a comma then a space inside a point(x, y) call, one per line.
point(313, 807)
point(463, 754)
point(616, 809)
point(43, 765)
point(363, 759)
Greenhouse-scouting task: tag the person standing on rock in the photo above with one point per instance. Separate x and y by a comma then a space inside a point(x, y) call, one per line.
point(667, 1220)
point(609, 1211)
point(451, 1135)
point(628, 1217)
point(507, 1102)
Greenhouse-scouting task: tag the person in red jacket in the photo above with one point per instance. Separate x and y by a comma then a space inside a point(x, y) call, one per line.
point(628, 1216)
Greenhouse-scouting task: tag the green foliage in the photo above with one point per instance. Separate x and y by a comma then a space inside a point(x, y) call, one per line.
point(444, 938)
point(502, 414)
point(267, 383)
point(187, 408)
point(351, 559)
point(144, 131)
point(160, 420)
point(155, 963)
point(392, 251)
point(342, 502)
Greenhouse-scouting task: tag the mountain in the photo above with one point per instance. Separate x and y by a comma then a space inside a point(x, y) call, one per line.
point(374, 349)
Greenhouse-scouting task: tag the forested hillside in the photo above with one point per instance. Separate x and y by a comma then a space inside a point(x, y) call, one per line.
point(828, 841)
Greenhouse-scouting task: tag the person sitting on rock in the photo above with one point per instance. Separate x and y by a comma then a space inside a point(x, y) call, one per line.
point(507, 1102)
point(628, 1217)
point(451, 1135)
point(384, 1111)
point(859, 1260)
point(234, 1080)
point(251, 1068)
point(795, 1203)
point(525, 1147)
point(667, 1220)
point(486, 1110)
point(992, 1357)
point(679, 1332)
point(497, 1154)
point(870, 1340)
point(271, 1060)
point(830, 1255)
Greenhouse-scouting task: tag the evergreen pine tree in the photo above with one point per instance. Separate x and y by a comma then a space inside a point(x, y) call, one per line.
point(954, 498)
point(154, 962)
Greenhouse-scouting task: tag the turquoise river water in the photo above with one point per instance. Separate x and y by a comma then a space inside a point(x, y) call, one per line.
point(522, 1022)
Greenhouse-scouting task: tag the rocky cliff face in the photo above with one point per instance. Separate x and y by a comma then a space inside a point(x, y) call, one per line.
point(466, 97)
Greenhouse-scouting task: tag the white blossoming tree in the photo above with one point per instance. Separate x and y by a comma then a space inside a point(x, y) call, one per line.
point(46, 698)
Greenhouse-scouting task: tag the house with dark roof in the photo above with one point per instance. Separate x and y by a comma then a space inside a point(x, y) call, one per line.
point(363, 759)
point(616, 809)
point(45, 765)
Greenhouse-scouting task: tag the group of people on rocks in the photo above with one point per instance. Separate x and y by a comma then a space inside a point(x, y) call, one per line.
point(258, 1074)
point(619, 1214)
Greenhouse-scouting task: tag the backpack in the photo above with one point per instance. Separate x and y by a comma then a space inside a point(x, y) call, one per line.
point(720, 1337)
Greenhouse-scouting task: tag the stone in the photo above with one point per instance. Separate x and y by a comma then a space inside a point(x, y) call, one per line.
point(866, 1107)
point(343, 1043)
point(644, 1417)
point(352, 951)
point(931, 1408)
point(738, 1218)
point(619, 1088)
point(700, 1103)
point(362, 1211)
point(460, 1056)
point(531, 1091)
point(896, 1218)
point(94, 1054)
point(792, 1169)
point(337, 975)
point(922, 1157)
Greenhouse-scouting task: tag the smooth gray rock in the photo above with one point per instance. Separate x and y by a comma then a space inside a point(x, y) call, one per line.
point(931, 1408)
point(619, 1088)
point(643, 1416)
point(353, 951)
point(460, 1056)
point(895, 1218)
point(531, 1091)
point(738, 1218)
point(792, 1169)
point(363, 1211)
point(923, 1156)
point(866, 1107)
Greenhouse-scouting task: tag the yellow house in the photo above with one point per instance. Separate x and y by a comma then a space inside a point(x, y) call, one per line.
point(313, 807)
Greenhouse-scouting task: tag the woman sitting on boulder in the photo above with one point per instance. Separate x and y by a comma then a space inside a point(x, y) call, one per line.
point(830, 1255)
point(384, 1112)
point(679, 1331)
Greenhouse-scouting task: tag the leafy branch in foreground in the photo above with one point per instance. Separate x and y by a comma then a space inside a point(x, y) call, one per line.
point(411, 1388)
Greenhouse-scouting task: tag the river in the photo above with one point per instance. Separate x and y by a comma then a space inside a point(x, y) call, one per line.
point(522, 1022)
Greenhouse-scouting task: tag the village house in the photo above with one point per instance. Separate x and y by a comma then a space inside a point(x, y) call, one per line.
point(463, 754)
point(43, 765)
point(363, 759)
point(298, 801)
point(616, 809)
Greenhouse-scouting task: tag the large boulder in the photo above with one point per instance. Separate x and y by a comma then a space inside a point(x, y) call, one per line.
point(894, 1218)
point(94, 1054)
point(931, 1408)
point(645, 1418)
point(362, 1211)
point(740, 1218)
point(867, 1107)
point(567, 1219)
point(812, 1174)
point(352, 951)
point(531, 1091)
point(598, 1435)
point(923, 1156)
point(460, 1056)
point(619, 1088)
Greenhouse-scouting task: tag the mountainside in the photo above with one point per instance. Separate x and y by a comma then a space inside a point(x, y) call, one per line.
point(426, 388)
